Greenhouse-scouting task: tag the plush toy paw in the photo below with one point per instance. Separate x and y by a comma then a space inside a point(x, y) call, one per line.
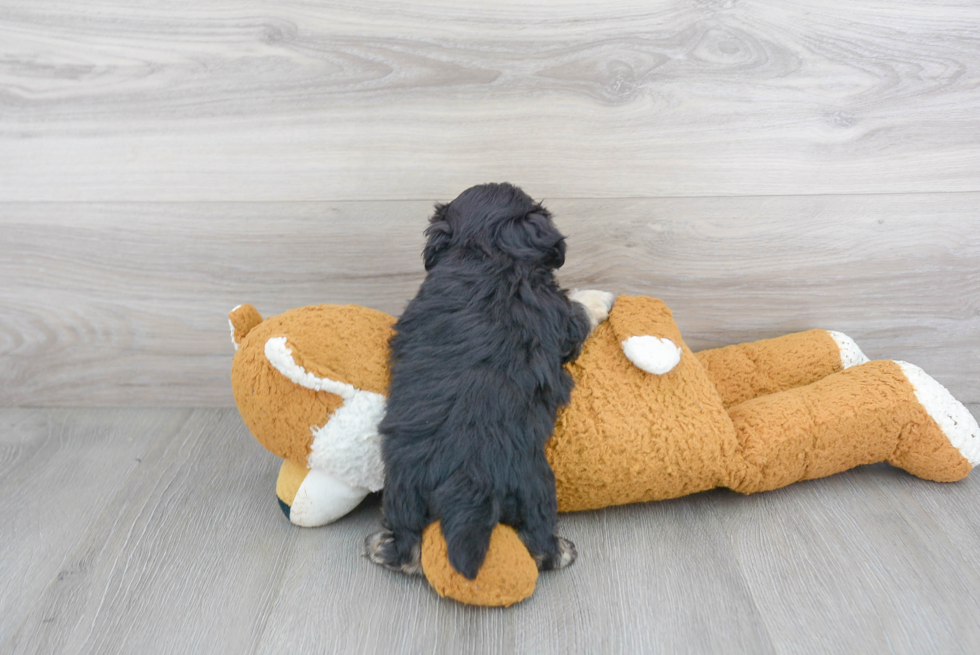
point(652, 354)
point(310, 498)
point(952, 417)
point(596, 303)
point(850, 353)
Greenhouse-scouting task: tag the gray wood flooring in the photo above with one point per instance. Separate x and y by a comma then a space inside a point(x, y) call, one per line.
point(156, 531)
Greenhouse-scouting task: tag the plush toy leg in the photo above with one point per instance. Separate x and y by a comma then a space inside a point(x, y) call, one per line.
point(919, 456)
point(310, 498)
point(870, 413)
point(748, 370)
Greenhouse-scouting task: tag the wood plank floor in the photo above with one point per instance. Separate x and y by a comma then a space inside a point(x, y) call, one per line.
point(157, 531)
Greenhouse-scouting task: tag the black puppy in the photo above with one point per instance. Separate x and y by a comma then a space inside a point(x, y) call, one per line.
point(477, 381)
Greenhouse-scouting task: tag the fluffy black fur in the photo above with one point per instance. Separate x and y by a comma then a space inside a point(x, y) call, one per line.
point(476, 383)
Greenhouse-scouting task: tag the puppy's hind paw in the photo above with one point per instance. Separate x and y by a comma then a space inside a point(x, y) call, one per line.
point(380, 549)
point(596, 303)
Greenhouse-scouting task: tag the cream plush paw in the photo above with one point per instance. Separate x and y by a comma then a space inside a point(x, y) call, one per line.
point(322, 498)
point(952, 417)
point(596, 303)
point(652, 354)
point(850, 353)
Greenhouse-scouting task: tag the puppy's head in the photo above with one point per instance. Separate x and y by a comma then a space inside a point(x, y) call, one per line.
point(493, 220)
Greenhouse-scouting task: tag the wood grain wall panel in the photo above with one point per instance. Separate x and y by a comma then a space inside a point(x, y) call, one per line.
point(125, 303)
point(112, 100)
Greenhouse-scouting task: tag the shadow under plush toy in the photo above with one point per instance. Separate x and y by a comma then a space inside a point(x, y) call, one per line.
point(648, 420)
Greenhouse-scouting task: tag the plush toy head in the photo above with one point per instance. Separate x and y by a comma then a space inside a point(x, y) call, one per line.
point(310, 385)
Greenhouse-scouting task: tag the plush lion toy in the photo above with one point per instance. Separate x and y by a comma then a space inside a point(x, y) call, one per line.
point(648, 420)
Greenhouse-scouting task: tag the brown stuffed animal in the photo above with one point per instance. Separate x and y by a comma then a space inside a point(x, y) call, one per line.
point(648, 420)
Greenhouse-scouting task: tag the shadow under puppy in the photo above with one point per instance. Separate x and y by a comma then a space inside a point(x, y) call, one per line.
point(477, 382)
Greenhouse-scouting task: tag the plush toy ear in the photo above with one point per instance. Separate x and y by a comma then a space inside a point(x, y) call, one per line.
point(657, 355)
point(533, 237)
point(241, 320)
point(438, 236)
point(647, 333)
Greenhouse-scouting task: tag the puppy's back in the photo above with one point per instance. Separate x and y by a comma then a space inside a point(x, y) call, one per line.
point(476, 366)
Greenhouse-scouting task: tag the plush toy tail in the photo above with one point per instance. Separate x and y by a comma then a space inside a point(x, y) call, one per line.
point(508, 574)
point(469, 515)
point(241, 320)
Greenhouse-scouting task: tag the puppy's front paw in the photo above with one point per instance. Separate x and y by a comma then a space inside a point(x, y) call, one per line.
point(566, 553)
point(596, 303)
point(380, 549)
point(563, 556)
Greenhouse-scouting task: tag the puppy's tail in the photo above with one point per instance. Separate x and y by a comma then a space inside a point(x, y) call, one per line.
point(469, 513)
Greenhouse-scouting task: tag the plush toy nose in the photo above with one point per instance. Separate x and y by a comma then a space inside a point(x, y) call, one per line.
point(291, 477)
point(284, 507)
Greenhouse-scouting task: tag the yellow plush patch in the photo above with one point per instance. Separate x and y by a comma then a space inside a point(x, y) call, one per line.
point(291, 476)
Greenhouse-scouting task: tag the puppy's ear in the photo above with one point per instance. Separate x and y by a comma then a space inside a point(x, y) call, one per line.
point(438, 236)
point(555, 255)
point(534, 237)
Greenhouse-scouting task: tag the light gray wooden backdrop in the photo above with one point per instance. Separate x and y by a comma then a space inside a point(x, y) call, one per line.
point(763, 166)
